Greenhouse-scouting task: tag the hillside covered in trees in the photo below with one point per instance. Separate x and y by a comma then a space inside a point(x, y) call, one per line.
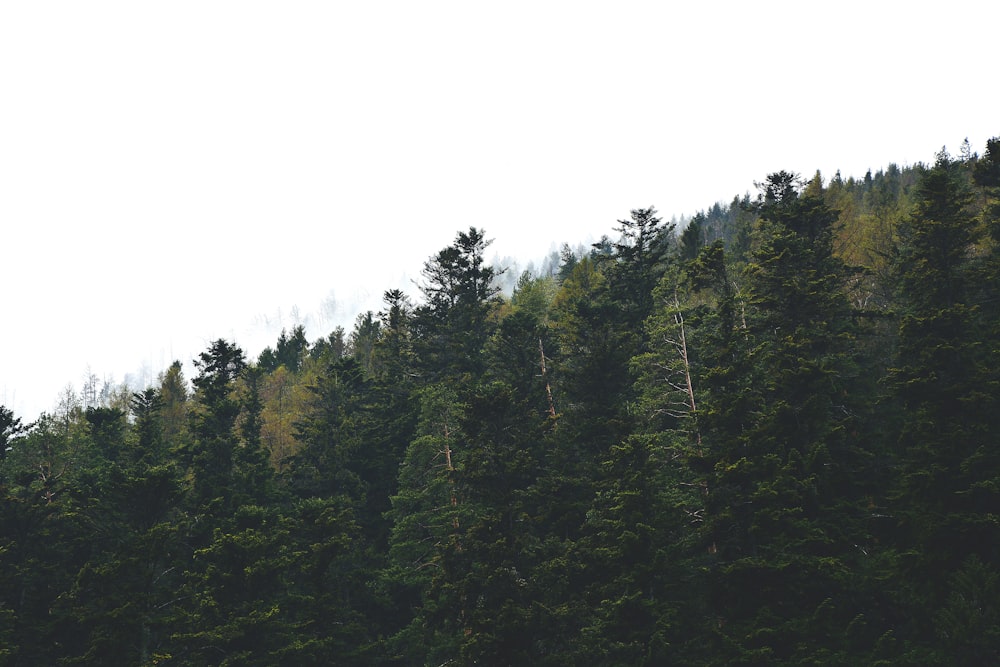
point(768, 438)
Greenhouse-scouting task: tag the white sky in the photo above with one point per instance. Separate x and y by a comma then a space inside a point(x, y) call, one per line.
point(174, 172)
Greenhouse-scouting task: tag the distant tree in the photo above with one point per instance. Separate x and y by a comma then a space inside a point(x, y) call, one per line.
point(568, 260)
point(145, 408)
point(642, 248)
point(394, 350)
point(329, 433)
point(363, 340)
point(289, 351)
point(534, 295)
point(107, 429)
point(693, 237)
point(173, 412)
point(331, 348)
point(11, 428)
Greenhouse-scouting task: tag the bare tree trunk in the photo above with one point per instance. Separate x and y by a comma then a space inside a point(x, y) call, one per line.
point(548, 387)
point(682, 349)
point(451, 469)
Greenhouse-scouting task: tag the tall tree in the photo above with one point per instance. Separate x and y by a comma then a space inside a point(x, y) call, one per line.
point(785, 514)
point(428, 515)
point(174, 410)
point(215, 417)
point(635, 267)
point(944, 380)
point(460, 292)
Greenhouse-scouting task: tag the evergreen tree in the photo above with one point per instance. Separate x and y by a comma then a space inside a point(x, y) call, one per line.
point(427, 515)
point(486, 577)
point(453, 324)
point(945, 383)
point(11, 428)
point(215, 419)
point(289, 352)
point(173, 412)
point(785, 515)
point(693, 238)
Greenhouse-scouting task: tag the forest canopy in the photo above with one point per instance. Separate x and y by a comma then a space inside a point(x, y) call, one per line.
point(765, 436)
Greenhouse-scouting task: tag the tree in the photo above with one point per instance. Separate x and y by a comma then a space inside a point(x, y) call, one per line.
point(363, 340)
point(427, 515)
point(534, 295)
point(785, 508)
point(215, 417)
point(693, 238)
point(485, 580)
point(11, 428)
point(394, 349)
point(174, 409)
point(639, 259)
point(453, 323)
point(945, 383)
point(289, 351)
point(330, 434)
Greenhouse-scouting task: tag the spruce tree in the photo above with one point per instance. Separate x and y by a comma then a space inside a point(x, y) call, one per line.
point(784, 511)
point(943, 380)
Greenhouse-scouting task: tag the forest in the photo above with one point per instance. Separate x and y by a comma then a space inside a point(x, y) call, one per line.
point(767, 436)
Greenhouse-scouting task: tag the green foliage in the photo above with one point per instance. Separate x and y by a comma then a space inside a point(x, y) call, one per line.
point(289, 351)
point(427, 515)
point(453, 324)
point(784, 507)
point(767, 441)
point(944, 385)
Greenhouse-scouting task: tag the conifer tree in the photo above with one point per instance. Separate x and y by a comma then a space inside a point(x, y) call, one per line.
point(215, 420)
point(944, 381)
point(453, 324)
point(489, 571)
point(427, 517)
point(784, 511)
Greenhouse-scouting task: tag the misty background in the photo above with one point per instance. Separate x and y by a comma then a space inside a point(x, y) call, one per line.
point(175, 173)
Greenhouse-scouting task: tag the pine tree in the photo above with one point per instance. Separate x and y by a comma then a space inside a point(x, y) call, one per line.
point(785, 513)
point(427, 517)
point(214, 424)
point(488, 573)
point(453, 323)
point(946, 499)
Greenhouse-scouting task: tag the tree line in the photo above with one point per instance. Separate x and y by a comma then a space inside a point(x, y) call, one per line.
point(766, 438)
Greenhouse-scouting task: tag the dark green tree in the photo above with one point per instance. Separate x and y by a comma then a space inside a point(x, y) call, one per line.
point(485, 580)
point(331, 434)
point(945, 382)
point(692, 238)
point(214, 424)
point(460, 293)
point(637, 263)
point(173, 413)
point(394, 350)
point(427, 517)
point(785, 513)
point(289, 351)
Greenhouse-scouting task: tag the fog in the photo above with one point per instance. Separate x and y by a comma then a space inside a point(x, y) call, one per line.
point(179, 172)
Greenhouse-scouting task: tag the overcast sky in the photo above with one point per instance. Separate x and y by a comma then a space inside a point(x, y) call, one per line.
point(175, 172)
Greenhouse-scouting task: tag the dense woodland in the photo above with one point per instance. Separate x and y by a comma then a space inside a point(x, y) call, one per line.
point(768, 437)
